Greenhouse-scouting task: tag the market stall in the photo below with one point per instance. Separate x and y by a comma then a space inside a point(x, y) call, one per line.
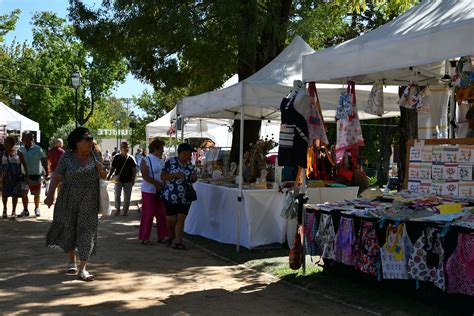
point(16, 121)
point(213, 215)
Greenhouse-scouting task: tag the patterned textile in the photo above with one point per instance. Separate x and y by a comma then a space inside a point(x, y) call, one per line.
point(460, 266)
point(174, 190)
point(367, 249)
point(12, 177)
point(325, 237)
point(345, 239)
point(395, 253)
point(310, 229)
point(426, 262)
point(375, 102)
point(316, 127)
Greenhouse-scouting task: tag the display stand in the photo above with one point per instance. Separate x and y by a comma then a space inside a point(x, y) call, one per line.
point(440, 166)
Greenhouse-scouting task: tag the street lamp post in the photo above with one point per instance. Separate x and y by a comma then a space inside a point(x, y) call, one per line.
point(76, 83)
point(117, 124)
point(132, 125)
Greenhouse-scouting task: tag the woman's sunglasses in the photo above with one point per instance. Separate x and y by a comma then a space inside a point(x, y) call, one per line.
point(88, 139)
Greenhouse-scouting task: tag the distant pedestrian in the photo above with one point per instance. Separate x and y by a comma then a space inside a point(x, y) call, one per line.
point(54, 154)
point(125, 167)
point(152, 204)
point(33, 156)
point(11, 178)
point(75, 219)
point(107, 158)
point(138, 160)
point(179, 175)
point(115, 152)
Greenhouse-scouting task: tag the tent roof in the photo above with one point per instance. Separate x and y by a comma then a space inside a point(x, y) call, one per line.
point(424, 36)
point(16, 121)
point(260, 93)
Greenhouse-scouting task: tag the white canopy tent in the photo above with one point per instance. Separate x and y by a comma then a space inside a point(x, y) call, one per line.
point(214, 129)
point(423, 37)
point(16, 121)
point(261, 94)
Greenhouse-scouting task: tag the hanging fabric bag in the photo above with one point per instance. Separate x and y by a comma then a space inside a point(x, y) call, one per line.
point(310, 233)
point(375, 102)
point(367, 249)
point(325, 237)
point(395, 253)
point(460, 266)
point(426, 262)
point(296, 252)
point(345, 241)
point(316, 126)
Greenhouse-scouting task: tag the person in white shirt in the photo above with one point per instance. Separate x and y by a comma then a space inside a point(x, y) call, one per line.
point(152, 205)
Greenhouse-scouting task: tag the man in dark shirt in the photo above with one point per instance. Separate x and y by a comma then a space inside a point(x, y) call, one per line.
point(123, 168)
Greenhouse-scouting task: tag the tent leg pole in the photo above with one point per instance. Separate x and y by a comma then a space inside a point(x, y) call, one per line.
point(241, 178)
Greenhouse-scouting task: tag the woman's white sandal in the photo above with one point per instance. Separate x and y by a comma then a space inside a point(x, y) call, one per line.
point(86, 276)
point(71, 268)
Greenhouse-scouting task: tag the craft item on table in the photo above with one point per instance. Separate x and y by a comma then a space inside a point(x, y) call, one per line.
point(450, 172)
point(425, 171)
point(261, 183)
point(425, 187)
point(437, 187)
point(344, 242)
point(437, 172)
point(232, 169)
point(255, 157)
point(450, 188)
point(466, 189)
point(414, 186)
point(415, 154)
point(217, 174)
point(310, 229)
point(460, 266)
point(465, 172)
point(366, 253)
point(426, 262)
point(449, 208)
point(466, 153)
point(450, 154)
point(325, 237)
point(437, 154)
point(375, 102)
point(414, 171)
point(466, 221)
point(395, 253)
point(427, 154)
point(449, 217)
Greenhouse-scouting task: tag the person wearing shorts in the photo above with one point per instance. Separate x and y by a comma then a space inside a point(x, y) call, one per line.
point(34, 155)
point(178, 174)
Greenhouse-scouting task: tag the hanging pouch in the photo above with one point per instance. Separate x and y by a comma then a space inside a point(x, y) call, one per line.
point(375, 102)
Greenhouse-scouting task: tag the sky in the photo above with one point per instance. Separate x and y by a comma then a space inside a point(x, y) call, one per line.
point(131, 87)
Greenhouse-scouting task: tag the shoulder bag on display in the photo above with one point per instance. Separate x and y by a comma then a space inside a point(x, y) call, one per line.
point(116, 178)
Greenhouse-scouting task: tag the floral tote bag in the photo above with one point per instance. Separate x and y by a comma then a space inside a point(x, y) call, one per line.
point(345, 239)
point(394, 254)
point(375, 102)
point(426, 262)
point(367, 249)
point(316, 127)
point(325, 237)
point(460, 266)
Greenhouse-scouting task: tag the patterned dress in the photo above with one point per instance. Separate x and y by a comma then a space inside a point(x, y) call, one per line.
point(75, 220)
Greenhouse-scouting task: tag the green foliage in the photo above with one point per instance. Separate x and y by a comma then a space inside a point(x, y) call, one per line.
point(8, 22)
point(62, 132)
point(41, 74)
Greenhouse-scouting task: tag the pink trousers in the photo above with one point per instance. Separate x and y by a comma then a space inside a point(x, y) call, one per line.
point(152, 206)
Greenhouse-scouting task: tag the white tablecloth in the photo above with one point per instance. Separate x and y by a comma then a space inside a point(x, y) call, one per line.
point(214, 214)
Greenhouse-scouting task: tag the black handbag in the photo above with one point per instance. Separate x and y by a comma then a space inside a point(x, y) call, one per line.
point(190, 194)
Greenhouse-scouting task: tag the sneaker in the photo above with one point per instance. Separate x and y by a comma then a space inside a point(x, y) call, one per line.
point(37, 212)
point(25, 213)
point(4, 213)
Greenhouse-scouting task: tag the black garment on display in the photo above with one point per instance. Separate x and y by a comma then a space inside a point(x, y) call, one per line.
point(293, 142)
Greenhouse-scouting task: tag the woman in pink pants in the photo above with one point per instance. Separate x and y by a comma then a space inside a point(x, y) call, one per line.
point(152, 205)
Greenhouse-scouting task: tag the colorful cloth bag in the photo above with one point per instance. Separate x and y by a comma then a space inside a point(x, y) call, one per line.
point(375, 102)
point(325, 237)
point(344, 243)
point(316, 126)
point(367, 249)
point(426, 262)
point(460, 266)
point(395, 253)
point(310, 229)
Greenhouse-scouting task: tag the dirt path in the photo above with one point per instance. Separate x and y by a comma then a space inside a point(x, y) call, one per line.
point(132, 278)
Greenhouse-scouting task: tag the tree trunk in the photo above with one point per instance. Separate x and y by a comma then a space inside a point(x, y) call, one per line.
point(253, 56)
point(408, 130)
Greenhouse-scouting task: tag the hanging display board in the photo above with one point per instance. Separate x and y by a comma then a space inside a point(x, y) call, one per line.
point(440, 167)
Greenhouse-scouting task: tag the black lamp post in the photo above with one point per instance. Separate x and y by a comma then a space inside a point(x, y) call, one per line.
point(117, 124)
point(76, 83)
point(132, 124)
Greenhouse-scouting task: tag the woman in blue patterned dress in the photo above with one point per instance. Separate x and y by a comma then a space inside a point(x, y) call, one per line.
point(179, 176)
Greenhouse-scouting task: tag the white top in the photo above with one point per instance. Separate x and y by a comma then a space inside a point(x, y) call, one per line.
point(156, 165)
